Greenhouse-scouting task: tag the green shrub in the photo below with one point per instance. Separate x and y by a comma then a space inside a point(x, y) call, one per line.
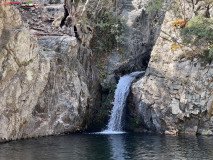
point(196, 33)
point(199, 33)
point(97, 120)
point(154, 5)
point(208, 132)
point(108, 33)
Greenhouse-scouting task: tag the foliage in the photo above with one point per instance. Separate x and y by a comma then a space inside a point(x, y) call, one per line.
point(196, 33)
point(100, 67)
point(110, 96)
point(180, 23)
point(177, 6)
point(107, 99)
point(108, 33)
point(154, 5)
point(199, 33)
point(207, 56)
point(208, 132)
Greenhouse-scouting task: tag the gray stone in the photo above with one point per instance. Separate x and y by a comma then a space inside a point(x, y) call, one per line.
point(185, 89)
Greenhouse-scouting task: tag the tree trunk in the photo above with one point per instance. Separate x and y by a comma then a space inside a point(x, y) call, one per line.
point(69, 15)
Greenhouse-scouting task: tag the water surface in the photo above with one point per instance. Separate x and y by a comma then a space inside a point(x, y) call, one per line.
point(112, 147)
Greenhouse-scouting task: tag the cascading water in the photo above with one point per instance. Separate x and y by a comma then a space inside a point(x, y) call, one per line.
point(123, 87)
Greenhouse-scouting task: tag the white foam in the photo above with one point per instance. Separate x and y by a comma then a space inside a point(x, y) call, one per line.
point(110, 132)
point(115, 125)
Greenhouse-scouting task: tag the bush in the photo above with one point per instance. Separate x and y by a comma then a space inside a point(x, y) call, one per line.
point(196, 33)
point(154, 5)
point(180, 23)
point(199, 33)
point(108, 33)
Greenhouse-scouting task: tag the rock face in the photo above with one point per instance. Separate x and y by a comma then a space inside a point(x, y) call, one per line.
point(61, 106)
point(140, 36)
point(43, 87)
point(175, 94)
point(23, 74)
point(140, 32)
point(51, 82)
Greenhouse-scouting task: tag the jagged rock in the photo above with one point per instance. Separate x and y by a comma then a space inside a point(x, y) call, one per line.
point(62, 105)
point(178, 92)
point(50, 79)
point(43, 86)
point(23, 75)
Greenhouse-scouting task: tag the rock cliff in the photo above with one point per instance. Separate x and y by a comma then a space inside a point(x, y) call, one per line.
point(139, 34)
point(176, 92)
point(43, 86)
point(53, 80)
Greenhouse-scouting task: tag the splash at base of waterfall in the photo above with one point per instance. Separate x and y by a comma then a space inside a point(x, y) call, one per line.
point(110, 132)
point(115, 125)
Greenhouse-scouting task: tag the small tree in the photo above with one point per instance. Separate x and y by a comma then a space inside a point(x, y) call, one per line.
point(176, 5)
point(199, 32)
point(108, 33)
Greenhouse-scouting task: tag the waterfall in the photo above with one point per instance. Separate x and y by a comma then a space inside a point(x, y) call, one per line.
point(121, 93)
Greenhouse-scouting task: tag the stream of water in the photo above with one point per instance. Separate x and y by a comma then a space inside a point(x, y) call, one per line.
point(115, 125)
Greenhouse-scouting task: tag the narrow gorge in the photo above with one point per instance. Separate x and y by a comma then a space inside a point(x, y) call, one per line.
point(66, 65)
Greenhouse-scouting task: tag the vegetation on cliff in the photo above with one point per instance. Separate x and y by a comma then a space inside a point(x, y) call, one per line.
point(109, 32)
point(196, 33)
point(199, 33)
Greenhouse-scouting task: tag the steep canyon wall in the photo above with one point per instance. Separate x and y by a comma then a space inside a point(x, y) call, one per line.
point(175, 94)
